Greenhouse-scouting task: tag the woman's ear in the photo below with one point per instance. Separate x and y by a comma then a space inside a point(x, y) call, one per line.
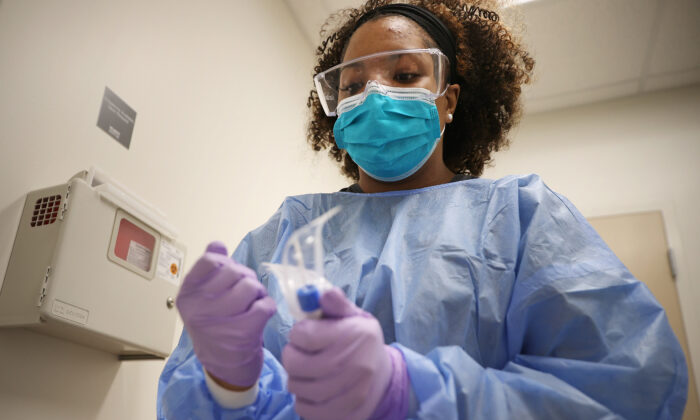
point(452, 95)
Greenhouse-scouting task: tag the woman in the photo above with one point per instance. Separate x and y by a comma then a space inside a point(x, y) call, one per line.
point(456, 297)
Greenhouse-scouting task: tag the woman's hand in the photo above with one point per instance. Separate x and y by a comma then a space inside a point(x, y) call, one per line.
point(339, 366)
point(225, 308)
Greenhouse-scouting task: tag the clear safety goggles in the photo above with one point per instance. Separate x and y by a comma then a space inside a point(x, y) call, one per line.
point(426, 68)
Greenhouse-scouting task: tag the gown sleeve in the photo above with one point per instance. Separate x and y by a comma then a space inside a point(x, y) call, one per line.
point(585, 339)
point(183, 393)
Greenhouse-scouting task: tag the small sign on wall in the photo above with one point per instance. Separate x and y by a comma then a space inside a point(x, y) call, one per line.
point(116, 118)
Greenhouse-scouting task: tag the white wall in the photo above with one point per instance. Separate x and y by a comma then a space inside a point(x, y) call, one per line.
point(623, 156)
point(220, 91)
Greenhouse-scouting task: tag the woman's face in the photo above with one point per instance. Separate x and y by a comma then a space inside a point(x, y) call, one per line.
point(387, 34)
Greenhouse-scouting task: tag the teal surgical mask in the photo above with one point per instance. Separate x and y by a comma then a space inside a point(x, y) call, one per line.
point(389, 132)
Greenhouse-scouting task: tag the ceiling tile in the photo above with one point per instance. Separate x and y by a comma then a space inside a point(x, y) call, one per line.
point(585, 96)
point(579, 45)
point(677, 45)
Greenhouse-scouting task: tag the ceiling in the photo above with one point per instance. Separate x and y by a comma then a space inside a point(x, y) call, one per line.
point(586, 51)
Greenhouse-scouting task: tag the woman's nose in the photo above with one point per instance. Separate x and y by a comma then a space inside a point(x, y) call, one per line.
point(380, 76)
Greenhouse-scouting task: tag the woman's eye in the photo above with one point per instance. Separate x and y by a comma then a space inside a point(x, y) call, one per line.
point(405, 77)
point(351, 88)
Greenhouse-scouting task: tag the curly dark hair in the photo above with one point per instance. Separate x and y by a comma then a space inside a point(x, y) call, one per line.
point(491, 68)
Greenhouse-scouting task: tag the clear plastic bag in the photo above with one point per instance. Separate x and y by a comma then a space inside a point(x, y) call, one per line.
point(300, 274)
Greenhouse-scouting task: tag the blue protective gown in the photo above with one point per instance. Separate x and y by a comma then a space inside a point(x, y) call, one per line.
point(504, 301)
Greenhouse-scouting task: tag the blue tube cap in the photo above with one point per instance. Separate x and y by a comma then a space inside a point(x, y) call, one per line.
point(309, 298)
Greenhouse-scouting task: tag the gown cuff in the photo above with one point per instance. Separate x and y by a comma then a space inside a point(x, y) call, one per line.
point(231, 399)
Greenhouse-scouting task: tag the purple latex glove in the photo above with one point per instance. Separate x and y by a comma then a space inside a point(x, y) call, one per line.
point(225, 308)
point(340, 368)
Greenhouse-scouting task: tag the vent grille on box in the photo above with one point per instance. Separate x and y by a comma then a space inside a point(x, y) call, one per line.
point(46, 210)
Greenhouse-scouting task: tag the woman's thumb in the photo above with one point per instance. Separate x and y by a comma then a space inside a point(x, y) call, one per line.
point(334, 304)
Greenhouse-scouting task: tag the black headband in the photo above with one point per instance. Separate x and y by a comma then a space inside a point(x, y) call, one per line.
point(426, 20)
